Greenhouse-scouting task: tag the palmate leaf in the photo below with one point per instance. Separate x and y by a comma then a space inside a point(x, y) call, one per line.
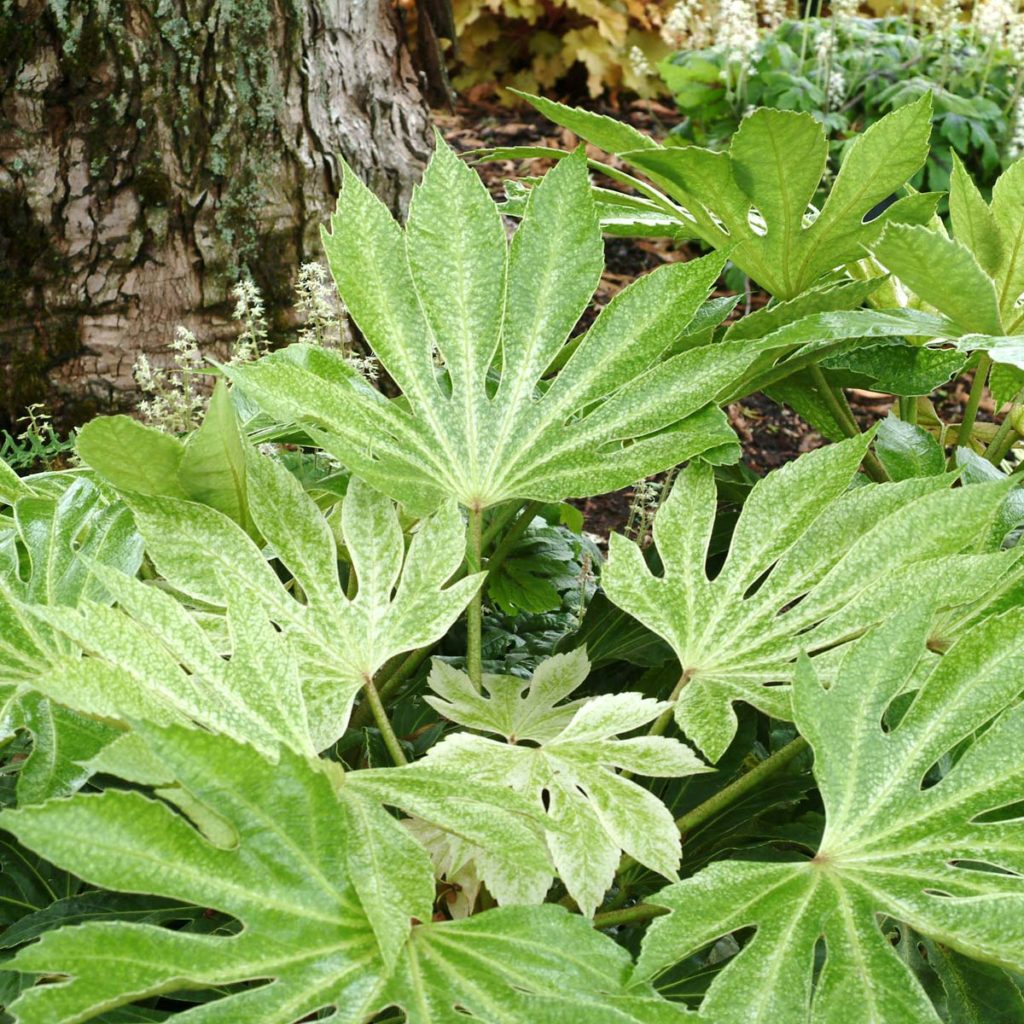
point(594, 813)
point(976, 278)
point(306, 943)
point(811, 565)
point(65, 540)
point(755, 198)
point(293, 684)
point(468, 326)
point(929, 855)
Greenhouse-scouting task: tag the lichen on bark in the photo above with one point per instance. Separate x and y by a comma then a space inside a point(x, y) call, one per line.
point(151, 151)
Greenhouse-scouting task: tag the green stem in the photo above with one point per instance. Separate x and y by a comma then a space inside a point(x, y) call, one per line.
point(908, 409)
point(843, 415)
point(963, 437)
point(662, 722)
point(635, 914)
point(1007, 434)
point(474, 613)
point(390, 683)
point(740, 787)
point(380, 716)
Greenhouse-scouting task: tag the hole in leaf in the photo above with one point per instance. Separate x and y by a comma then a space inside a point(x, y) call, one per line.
point(717, 221)
point(756, 222)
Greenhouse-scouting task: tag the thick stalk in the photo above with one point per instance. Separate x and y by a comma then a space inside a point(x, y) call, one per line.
point(843, 415)
point(740, 787)
point(474, 613)
point(389, 684)
point(1007, 434)
point(380, 716)
point(963, 437)
point(908, 409)
point(662, 722)
point(1006, 437)
point(636, 914)
point(730, 794)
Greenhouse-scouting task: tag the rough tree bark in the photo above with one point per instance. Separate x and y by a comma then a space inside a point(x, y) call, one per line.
point(152, 151)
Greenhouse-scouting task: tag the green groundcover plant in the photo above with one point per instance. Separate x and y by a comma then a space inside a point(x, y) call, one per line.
point(849, 71)
point(329, 709)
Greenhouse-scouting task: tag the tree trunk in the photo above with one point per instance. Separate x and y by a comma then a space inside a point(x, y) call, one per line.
point(154, 151)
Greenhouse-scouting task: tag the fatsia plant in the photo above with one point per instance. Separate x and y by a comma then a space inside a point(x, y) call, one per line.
point(976, 279)
point(811, 564)
point(306, 942)
point(52, 558)
point(756, 198)
point(497, 402)
point(191, 777)
point(920, 826)
point(567, 766)
point(150, 658)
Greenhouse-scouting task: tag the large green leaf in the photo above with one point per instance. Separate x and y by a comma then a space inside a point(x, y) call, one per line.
point(928, 853)
point(66, 542)
point(977, 277)
point(755, 199)
point(944, 273)
point(595, 813)
point(1008, 212)
point(299, 653)
point(468, 325)
point(307, 941)
point(811, 565)
point(209, 467)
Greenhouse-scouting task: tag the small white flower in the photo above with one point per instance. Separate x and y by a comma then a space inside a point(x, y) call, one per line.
point(1016, 147)
point(737, 30)
point(639, 63)
point(993, 19)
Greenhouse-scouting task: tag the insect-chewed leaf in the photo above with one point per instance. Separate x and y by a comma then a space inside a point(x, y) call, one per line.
point(307, 941)
point(812, 564)
point(150, 658)
point(593, 813)
point(938, 856)
point(470, 328)
point(756, 198)
point(66, 541)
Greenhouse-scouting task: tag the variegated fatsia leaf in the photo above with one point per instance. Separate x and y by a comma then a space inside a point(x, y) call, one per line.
point(976, 278)
point(52, 558)
point(755, 198)
point(812, 564)
point(936, 855)
point(496, 404)
point(300, 653)
point(569, 767)
point(287, 870)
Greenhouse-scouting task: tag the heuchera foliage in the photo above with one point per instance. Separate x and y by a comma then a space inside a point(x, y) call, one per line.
point(289, 734)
